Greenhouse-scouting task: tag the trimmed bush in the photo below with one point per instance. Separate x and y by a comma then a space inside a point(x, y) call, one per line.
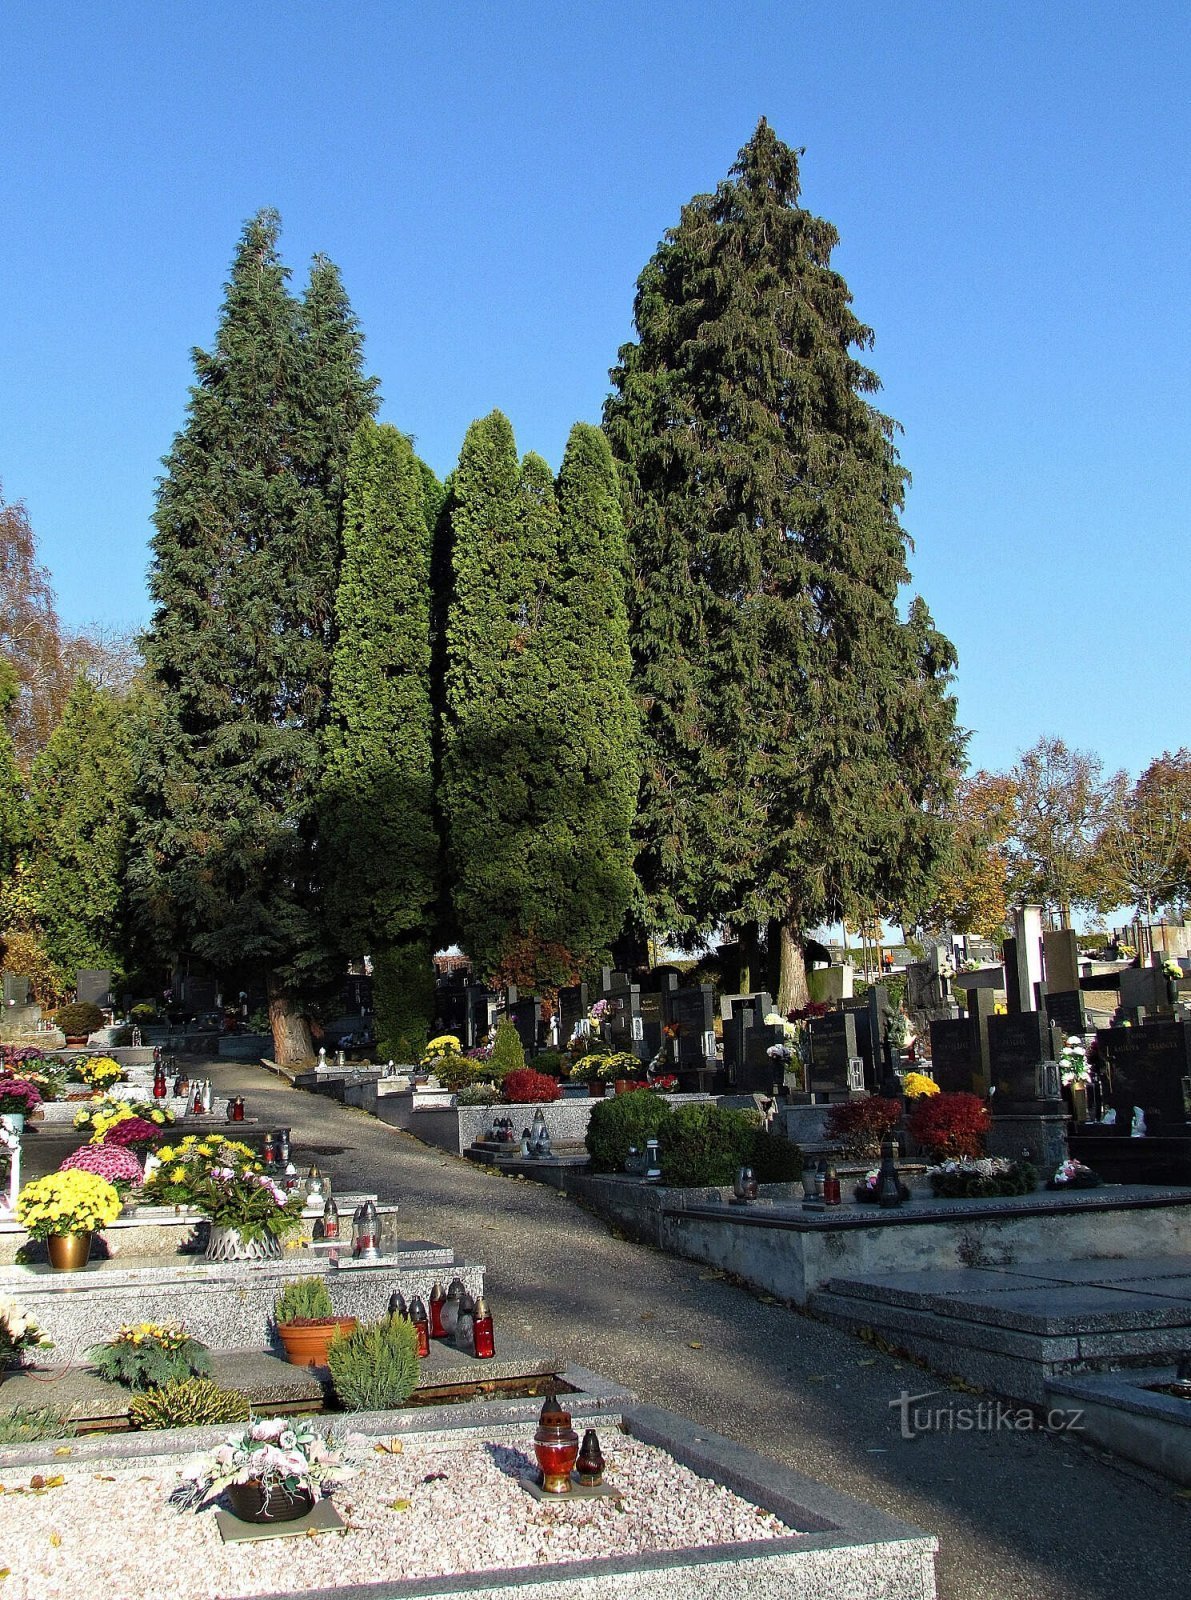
point(705, 1146)
point(526, 1087)
point(774, 1158)
point(508, 1053)
point(861, 1126)
point(376, 1367)
point(79, 1019)
point(618, 1124)
point(950, 1125)
point(550, 1061)
point(193, 1403)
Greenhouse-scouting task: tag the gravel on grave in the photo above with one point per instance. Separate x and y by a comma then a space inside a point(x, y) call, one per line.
point(115, 1527)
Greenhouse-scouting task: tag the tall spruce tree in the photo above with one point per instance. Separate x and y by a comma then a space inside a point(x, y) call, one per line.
point(80, 794)
point(800, 737)
point(239, 652)
point(538, 774)
point(379, 827)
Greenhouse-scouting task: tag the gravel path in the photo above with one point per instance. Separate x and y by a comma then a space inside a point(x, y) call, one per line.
point(135, 1546)
point(1019, 1516)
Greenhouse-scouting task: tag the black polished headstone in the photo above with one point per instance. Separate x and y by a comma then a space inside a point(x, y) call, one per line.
point(1066, 1010)
point(955, 1056)
point(1017, 1047)
point(1150, 1067)
point(833, 1045)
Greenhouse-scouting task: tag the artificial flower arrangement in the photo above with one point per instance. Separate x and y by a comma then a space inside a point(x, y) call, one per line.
point(174, 1169)
point(148, 1355)
point(279, 1453)
point(18, 1333)
point(917, 1084)
point(47, 1077)
point(968, 1178)
point(67, 1202)
point(97, 1072)
point(1173, 970)
point(1074, 1175)
point(784, 1049)
point(19, 1096)
point(1073, 1062)
point(119, 1167)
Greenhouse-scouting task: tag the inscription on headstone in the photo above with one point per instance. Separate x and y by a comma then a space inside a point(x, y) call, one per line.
point(833, 1045)
point(1149, 1067)
point(954, 1056)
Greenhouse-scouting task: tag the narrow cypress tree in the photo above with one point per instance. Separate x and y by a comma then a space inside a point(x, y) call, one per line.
point(80, 794)
point(539, 765)
point(379, 829)
point(244, 562)
point(800, 736)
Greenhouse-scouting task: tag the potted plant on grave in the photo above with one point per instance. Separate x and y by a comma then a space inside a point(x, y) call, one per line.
point(248, 1212)
point(272, 1471)
point(149, 1355)
point(306, 1321)
point(949, 1126)
point(174, 1170)
point(860, 1127)
point(18, 1099)
point(78, 1020)
point(66, 1209)
point(115, 1165)
point(98, 1073)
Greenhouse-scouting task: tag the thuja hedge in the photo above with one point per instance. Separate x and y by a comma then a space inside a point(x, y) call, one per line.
point(701, 1145)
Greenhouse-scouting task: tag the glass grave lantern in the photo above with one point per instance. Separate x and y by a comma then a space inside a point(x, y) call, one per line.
point(366, 1232)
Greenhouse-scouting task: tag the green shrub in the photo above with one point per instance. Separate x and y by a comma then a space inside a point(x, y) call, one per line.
point(149, 1356)
point(80, 1018)
point(302, 1297)
point(508, 1053)
point(478, 1094)
point(27, 1424)
point(703, 1145)
point(376, 1367)
point(193, 1403)
point(549, 1061)
point(618, 1124)
point(774, 1158)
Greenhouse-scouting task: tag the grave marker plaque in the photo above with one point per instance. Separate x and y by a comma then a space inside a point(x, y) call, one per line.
point(16, 990)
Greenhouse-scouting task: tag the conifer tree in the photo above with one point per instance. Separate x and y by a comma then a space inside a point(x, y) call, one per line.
point(13, 811)
point(79, 806)
point(244, 562)
point(799, 735)
point(379, 828)
point(539, 770)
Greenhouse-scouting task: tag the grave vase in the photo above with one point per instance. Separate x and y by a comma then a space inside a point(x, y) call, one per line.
point(228, 1244)
point(253, 1502)
point(68, 1252)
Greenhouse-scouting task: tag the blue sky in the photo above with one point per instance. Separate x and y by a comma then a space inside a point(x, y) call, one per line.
point(1009, 183)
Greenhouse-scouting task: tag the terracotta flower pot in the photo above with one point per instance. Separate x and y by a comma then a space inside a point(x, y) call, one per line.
point(68, 1252)
point(597, 1090)
point(306, 1343)
point(250, 1502)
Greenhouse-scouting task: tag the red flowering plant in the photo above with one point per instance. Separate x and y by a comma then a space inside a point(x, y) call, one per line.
point(862, 1126)
point(119, 1166)
point(948, 1125)
point(524, 1087)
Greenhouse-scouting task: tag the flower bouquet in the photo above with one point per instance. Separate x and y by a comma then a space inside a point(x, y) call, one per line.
point(18, 1333)
point(148, 1355)
point(67, 1202)
point(236, 1197)
point(982, 1178)
point(101, 1116)
point(119, 1167)
point(281, 1458)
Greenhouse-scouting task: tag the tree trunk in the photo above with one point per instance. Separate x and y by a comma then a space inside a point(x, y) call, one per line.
point(291, 1031)
point(792, 991)
point(749, 944)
